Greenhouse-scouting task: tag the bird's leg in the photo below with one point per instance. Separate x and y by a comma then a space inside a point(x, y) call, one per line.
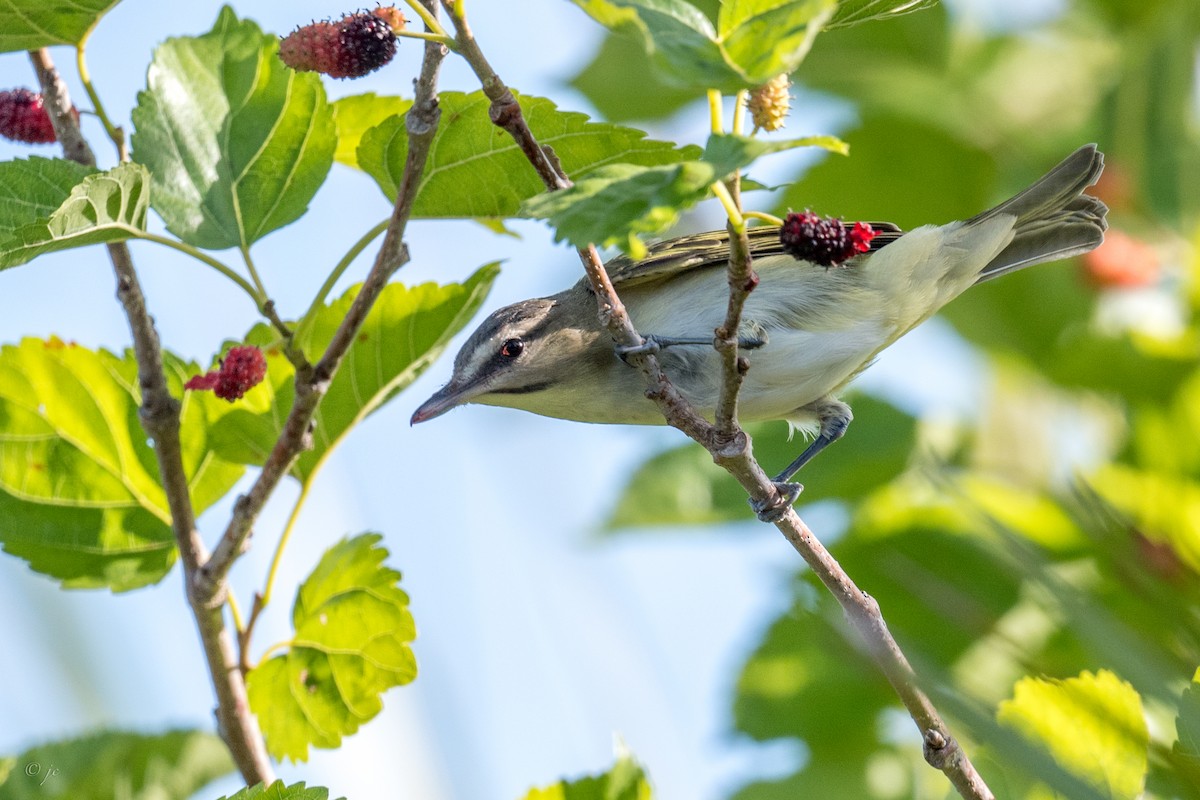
point(834, 417)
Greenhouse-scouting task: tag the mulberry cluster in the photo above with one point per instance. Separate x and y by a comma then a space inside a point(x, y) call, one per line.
point(23, 117)
point(769, 103)
point(823, 240)
point(353, 46)
point(241, 370)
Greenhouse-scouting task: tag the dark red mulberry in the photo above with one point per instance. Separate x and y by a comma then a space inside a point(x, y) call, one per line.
point(23, 117)
point(823, 240)
point(241, 370)
point(354, 46)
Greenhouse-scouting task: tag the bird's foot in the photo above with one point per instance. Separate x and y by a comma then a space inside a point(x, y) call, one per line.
point(771, 511)
point(654, 345)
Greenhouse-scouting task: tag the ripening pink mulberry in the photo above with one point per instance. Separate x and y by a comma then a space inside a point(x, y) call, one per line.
point(354, 46)
point(23, 117)
point(823, 240)
point(241, 370)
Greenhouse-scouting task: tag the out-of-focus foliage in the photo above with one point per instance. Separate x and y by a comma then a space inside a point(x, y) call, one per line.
point(1051, 542)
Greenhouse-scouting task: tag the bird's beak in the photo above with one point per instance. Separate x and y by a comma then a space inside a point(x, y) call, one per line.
point(454, 393)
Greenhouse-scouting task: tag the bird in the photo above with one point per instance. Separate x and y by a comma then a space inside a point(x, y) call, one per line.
point(808, 328)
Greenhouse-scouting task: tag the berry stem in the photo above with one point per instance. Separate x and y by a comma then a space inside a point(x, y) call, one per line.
point(438, 32)
point(200, 255)
point(115, 133)
point(739, 112)
point(736, 218)
point(770, 219)
point(715, 120)
point(440, 38)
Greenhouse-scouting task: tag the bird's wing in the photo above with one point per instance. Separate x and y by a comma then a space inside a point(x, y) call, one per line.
point(673, 257)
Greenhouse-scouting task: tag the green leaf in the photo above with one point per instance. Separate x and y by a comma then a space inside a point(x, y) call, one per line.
point(352, 633)
point(852, 12)
point(99, 207)
point(79, 484)
point(683, 487)
point(477, 170)
point(625, 781)
point(930, 177)
point(168, 766)
point(236, 142)
point(613, 206)
point(766, 38)
point(32, 24)
point(621, 83)
point(353, 116)
point(754, 41)
point(279, 791)
point(728, 152)
point(1187, 726)
point(407, 329)
point(1163, 507)
point(1092, 724)
point(680, 39)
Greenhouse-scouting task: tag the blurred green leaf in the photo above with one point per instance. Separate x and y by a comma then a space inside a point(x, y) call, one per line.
point(931, 177)
point(351, 644)
point(1187, 726)
point(1092, 724)
point(236, 142)
point(683, 487)
point(79, 482)
point(33, 24)
point(101, 766)
point(407, 329)
point(280, 791)
point(1164, 507)
point(622, 84)
point(101, 207)
point(475, 170)
point(353, 116)
point(625, 781)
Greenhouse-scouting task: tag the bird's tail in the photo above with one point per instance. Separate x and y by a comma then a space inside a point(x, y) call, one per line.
point(1055, 219)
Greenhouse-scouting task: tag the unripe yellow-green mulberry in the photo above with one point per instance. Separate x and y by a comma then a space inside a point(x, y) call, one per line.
point(769, 103)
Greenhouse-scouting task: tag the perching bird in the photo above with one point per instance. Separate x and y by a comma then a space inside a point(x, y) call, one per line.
point(809, 329)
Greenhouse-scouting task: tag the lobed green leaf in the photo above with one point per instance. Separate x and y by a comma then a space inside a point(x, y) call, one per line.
point(79, 483)
point(168, 766)
point(352, 634)
point(236, 142)
point(33, 24)
point(407, 329)
point(476, 169)
point(99, 207)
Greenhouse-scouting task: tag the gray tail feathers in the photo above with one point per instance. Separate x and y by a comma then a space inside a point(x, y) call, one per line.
point(1055, 219)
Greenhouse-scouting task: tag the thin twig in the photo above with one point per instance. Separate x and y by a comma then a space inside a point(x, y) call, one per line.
point(159, 415)
point(727, 443)
point(311, 385)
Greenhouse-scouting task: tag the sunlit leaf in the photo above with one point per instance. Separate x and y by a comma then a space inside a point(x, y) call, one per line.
point(352, 634)
point(1092, 724)
point(477, 170)
point(353, 116)
point(79, 482)
point(852, 12)
point(101, 207)
point(236, 142)
point(406, 330)
point(33, 24)
point(100, 766)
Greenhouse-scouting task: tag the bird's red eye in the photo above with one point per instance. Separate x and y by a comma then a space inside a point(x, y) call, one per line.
point(512, 348)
